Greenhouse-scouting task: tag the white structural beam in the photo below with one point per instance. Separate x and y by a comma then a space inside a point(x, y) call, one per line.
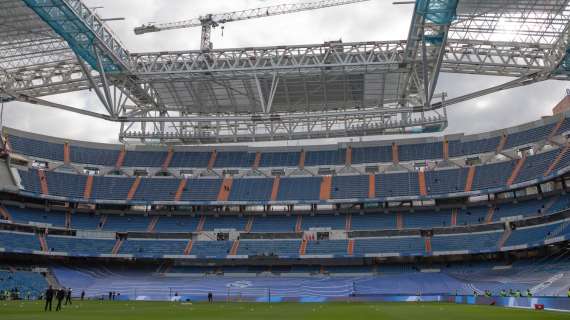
point(278, 92)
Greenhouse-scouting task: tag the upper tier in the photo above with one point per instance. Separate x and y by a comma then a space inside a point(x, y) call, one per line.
point(342, 154)
point(387, 186)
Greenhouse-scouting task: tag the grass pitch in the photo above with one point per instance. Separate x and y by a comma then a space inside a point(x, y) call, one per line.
point(96, 310)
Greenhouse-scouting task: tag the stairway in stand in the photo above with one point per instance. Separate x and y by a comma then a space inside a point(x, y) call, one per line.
point(350, 247)
point(188, 248)
point(303, 247)
point(428, 245)
point(234, 249)
point(5, 213)
point(117, 246)
point(506, 235)
point(152, 224)
point(43, 242)
point(490, 213)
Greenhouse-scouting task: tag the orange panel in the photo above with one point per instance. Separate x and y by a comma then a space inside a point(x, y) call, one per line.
point(303, 247)
point(168, 159)
point(188, 248)
point(212, 160)
point(43, 182)
point(121, 158)
point(428, 244)
point(299, 224)
point(556, 160)
point(502, 143)
point(422, 183)
point(88, 187)
point(225, 189)
point(256, 161)
point(302, 159)
point(372, 186)
point(275, 189)
point(348, 158)
point(490, 213)
point(556, 128)
point(516, 171)
point(470, 177)
point(454, 213)
point(395, 153)
point(66, 153)
point(5, 214)
point(326, 187)
point(350, 248)
point(134, 188)
point(400, 221)
point(180, 189)
point(201, 223)
point(445, 149)
point(235, 247)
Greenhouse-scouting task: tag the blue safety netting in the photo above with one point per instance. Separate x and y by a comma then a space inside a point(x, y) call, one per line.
point(440, 12)
point(71, 27)
point(435, 39)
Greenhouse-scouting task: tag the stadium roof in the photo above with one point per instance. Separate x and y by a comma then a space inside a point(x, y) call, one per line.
point(280, 92)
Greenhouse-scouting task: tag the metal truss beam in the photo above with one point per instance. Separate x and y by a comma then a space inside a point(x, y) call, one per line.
point(84, 31)
point(212, 129)
point(231, 63)
point(463, 57)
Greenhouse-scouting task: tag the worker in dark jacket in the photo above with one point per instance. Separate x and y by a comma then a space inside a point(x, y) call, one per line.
point(49, 298)
point(68, 296)
point(60, 295)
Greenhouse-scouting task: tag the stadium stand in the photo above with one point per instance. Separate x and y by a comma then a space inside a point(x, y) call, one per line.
point(234, 160)
point(375, 200)
point(102, 157)
point(251, 189)
point(82, 153)
point(30, 285)
point(279, 159)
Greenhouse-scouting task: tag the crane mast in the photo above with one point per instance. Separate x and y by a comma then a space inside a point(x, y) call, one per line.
point(209, 21)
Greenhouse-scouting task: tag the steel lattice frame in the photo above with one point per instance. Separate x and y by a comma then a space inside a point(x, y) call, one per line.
point(284, 92)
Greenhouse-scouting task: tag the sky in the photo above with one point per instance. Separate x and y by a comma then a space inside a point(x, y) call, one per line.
point(369, 21)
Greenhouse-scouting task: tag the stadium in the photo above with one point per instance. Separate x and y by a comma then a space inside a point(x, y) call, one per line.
point(288, 181)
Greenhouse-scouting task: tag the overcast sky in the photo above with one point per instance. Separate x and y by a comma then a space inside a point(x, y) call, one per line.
point(374, 20)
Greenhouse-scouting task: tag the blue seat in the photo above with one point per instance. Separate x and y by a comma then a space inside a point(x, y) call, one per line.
point(101, 157)
point(475, 242)
point(371, 155)
point(350, 187)
point(399, 184)
point(227, 159)
point(111, 188)
point(458, 148)
point(493, 175)
point(441, 182)
point(251, 189)
point(157, 189)
point(302, 188)
point(279, 159)
point(144, 158)
point(36, 148)
point(201, 190)
point(269, 248)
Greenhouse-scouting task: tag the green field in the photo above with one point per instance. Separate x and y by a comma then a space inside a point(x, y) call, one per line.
point(247, 311)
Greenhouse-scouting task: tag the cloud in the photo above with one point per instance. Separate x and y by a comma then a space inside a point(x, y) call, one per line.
point(374, 20)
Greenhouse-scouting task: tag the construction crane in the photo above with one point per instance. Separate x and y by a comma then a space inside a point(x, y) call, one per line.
point(209, 21)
